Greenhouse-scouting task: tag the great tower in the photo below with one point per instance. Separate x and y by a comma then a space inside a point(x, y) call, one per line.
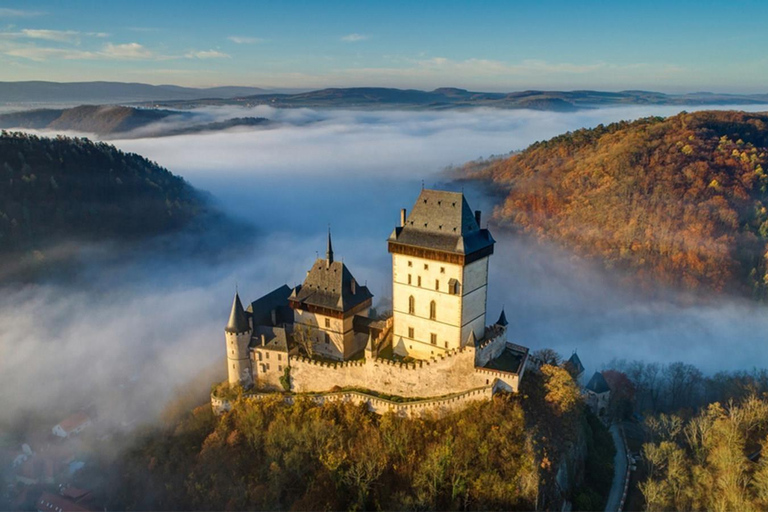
point(440, 260)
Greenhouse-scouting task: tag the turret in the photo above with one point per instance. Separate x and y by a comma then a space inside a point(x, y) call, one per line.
point(502, 321)
point(238, 336)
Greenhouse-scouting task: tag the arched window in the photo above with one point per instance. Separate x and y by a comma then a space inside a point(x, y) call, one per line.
point(432, 310)
point(411, 304)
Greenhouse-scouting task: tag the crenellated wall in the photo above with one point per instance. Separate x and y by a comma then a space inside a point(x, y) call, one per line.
point(440, 405)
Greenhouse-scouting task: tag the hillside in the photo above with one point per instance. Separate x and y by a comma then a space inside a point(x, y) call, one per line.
point(120, 121)
point(680, 201)
point(452, 98)
point(57, 191)
point(109, 92)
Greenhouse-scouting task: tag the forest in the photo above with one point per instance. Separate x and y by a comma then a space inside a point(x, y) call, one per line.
point(679, 201)
point(500, 454)
point(69, 190)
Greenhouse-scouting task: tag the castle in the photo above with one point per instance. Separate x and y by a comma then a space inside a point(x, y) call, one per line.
point(433, 351)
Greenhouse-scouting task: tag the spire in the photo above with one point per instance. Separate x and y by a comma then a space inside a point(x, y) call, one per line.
point(502, 321)
point(238, 322)
point(329, 250)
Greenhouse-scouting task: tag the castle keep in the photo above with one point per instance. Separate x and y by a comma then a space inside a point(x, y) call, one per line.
point(434, 350)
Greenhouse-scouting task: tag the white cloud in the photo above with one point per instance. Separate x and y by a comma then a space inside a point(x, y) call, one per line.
point(18, 13)
point(353, 38)
point(51, 35)
point(207, 54)
point(245, 40)
point(128, 51)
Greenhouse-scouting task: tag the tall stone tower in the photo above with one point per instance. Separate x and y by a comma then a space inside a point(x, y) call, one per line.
point(439, 275)
point(238, 337)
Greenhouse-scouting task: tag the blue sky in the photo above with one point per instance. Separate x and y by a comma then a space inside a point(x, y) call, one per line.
point(491, 45)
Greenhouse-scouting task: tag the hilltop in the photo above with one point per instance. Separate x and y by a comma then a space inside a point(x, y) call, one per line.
point(120, 121)
point(110, 92)
point(452, 98)
point(680, 200)
point(61, 192)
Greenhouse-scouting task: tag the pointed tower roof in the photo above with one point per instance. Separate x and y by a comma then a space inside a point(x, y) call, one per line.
point(238, 322)
point(472, 340)
point(329, 249)
point(597, 384)
point(502, 321)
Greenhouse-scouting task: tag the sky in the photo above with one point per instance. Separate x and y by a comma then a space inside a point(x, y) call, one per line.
point(681, 46)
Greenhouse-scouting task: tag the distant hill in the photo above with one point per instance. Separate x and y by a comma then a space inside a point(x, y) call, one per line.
point(452, 98)
point(110, 92)
point(65, 191)
point(681, 200)
point(119, 121)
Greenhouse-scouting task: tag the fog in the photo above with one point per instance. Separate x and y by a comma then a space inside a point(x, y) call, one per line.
point(130, 333)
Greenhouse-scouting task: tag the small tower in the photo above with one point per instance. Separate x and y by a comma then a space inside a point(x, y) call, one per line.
point(238, 337)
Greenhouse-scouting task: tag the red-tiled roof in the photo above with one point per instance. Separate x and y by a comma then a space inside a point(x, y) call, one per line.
point(52, 503)
point(73, 421)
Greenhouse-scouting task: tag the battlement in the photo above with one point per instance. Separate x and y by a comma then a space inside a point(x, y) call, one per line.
point(379, 405)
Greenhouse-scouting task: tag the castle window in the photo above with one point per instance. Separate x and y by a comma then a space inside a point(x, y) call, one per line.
point(410, 333)
point(327, 322)
point(453, 287)
point(418, 280)
point(267, 355)
point(442, 270)
point(279, 357)
point(433, 338)
point(486, 382)
point(410, 263)
point(279, 368)
point(409, 278)
point(411, 305)
point(446, 344)
point(432, 310)
point(426, 267)
point(437, 284)
point(233, 366)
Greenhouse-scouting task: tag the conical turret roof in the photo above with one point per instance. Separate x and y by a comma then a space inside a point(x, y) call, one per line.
point(502, 321)
point(238, 322)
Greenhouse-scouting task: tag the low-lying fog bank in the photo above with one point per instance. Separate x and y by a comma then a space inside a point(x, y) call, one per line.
point(143, 328)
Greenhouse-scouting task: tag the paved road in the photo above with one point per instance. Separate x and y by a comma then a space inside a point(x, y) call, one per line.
point(619, 471)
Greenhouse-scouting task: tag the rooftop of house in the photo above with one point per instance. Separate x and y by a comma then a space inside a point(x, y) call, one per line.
point(330, 285)
point(510, 360)
point(261, 310)
point(597, 384)
point(442, 221)
point(575, 363)
point(53, 503)
point(270, 338)
point(73, 421)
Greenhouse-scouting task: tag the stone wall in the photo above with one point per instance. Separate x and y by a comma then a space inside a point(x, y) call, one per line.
point(439, 406)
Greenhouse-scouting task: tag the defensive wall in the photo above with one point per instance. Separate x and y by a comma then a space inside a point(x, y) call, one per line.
point(411, 408)
point(455, 371)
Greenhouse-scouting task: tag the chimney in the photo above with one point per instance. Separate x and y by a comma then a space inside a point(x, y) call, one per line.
point(477, 217)
point(263, 340)
point(402, 218)
point(353, 285)
point(274, 317)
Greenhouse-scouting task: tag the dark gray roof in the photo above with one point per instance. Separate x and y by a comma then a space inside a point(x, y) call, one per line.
point(442, 221)
point(276, 300)
point(364, 324)
point(509, 360)
point(238, 322)
point(575, 362)
point(330, 285)
point(502, 321)
point(597, 384)
point(274, 338)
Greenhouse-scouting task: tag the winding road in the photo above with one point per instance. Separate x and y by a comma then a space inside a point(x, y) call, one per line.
point(619, 471)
